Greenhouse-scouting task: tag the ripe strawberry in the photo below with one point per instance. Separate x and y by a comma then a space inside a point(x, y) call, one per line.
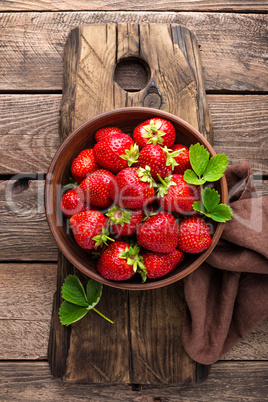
point(89, 229)
point(179, 196)
point(105, 132)
point(154, 131)
point(124, 222)
point(183, 159)
point(160, 264)
point(83, 165)
point(131, 189)
point(194, 235)
point(109, 152)
point(155, 157)
point(120, 261)
point(96, 188)
point(159, 233)
point(72, 202)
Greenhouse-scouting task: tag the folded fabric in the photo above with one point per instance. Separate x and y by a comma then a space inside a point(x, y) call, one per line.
point(227, 296)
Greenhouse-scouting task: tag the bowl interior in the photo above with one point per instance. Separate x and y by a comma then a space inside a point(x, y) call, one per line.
point(60, 170)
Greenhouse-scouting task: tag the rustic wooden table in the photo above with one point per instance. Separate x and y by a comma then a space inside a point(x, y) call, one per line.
point(232, 36)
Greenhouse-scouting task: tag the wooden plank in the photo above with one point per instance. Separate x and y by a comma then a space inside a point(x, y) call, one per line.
point(24, 232)
point(228, 381)
point(233, 46)
point(127, 5)
point(25, 309)
point(29, 130)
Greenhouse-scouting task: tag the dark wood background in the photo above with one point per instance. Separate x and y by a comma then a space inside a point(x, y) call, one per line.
point(232, 36)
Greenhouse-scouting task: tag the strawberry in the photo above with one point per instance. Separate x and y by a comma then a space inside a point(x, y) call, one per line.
point(160, 264)
point(109, 152)
point(96, 188)
point(178, 196)
point(89, 229)
point(105, 132)
point(154, 131)
point(159, 233)
point(131, 189)
point(72, 202)
point(124, 222)
point(83, 165)
point(120, 261)
point(183, 159)
point(155, 157)
point(194, 235)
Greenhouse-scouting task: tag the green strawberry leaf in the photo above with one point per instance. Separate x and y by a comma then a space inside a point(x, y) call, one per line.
point(70, 313)
point(191, 178)
point(73, 291)
point(215, 167)
point(199, 157)
point(199, 206)
point(221, 213)
point(210, 198)
point(94, 292)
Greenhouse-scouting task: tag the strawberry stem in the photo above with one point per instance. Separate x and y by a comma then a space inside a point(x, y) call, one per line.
point(102, 315)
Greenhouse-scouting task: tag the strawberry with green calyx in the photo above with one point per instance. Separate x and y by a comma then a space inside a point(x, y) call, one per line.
point(154, 131)
point(72, 202)
point(159, 233)
point(131, 191)
point(180, 196)
point(83, 165)
point(164, 185)
point(108, 152)
point(88, 228)
point(131, 155)
point(96, 188)
point(120, 261)
point(182, 159)
point(194, 235)
point(160, 264)
point(155, 157)
point(124, 222)
point(105, 132)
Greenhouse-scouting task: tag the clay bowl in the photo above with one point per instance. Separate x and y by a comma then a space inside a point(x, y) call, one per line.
point(59, 172)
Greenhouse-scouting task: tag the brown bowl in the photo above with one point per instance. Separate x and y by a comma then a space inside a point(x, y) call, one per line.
point(60, 170)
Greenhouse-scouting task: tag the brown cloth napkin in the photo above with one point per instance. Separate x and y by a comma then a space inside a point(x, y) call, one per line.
point(228, 295)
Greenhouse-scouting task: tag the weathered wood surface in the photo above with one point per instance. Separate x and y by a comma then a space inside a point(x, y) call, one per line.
point(91, 55)
point(33, 44)
point(228, 381)
point(29, 130)
point(25, 309)
point(128, 5)
point(26, 305)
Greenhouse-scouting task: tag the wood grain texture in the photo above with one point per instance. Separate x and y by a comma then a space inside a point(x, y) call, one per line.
point(91, 55)
point(127, 5)
point(233, 46)
point(24, 232)
point(25, 309)
point(29, 130)
point(228, 381)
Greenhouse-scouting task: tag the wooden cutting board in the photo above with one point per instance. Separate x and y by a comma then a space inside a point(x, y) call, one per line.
point(107, 67)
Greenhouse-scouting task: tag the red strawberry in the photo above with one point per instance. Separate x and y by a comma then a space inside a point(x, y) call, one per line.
point(179, 196)
point(83, 165)
point(124, 222)
point(155, 157)
point(194, 235)
point(159, 233)
point(120, 261)
point(154, 131)
point(105, 132)
point(183, 159)
point(130, 191)
point(72, 203)
point(96, 188)
point(89, 229)
point(109, 152)
point(160, 264)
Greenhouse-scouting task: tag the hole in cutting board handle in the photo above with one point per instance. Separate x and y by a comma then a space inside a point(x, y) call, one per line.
point(132, 74)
